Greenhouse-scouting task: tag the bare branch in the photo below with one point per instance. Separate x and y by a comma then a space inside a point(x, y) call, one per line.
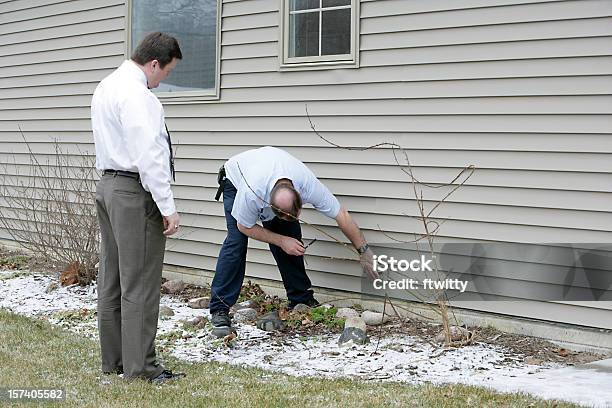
point(430, 227)
point(50, 209)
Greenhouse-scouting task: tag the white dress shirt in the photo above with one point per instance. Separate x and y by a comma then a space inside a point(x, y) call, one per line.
point(254, 174)
point(129, 133)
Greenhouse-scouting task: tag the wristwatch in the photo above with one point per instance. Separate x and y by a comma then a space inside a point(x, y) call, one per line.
point(362, 249)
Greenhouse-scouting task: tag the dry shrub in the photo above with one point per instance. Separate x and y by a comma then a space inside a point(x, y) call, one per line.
point(48, 206)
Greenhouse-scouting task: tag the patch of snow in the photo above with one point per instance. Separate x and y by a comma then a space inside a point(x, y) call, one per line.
point(392, 358)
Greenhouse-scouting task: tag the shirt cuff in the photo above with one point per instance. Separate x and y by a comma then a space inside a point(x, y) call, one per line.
point(166, 206)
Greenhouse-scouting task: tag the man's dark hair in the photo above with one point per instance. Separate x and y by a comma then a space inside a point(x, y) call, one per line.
point(157, 46)
point(292, 213)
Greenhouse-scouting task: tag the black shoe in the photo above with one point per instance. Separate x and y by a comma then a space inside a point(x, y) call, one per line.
point(165, 376)
point(222, 324)
point(118, 371)
point(312, 302)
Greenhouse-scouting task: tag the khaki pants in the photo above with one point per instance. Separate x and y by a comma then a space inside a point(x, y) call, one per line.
point(129, 278)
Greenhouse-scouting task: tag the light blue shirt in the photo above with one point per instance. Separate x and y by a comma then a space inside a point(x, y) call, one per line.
point(254, 174)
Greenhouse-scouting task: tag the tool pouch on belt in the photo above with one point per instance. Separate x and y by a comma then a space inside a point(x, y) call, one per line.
point(221, 181)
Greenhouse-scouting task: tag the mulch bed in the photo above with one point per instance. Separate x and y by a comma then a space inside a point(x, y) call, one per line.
point(20, 260)
point(533, 350)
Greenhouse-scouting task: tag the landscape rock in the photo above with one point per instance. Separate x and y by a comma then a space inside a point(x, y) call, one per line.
point(198, 322)
point(457, 333)
point(354, 332)
point(300, 308)
point(247, 304)
point(245, 315)
point(346, 312)
point(356, 322)
point(199, 303)
point(374, 318)
point(165, 311)
point(173, 286)
point(270, 322)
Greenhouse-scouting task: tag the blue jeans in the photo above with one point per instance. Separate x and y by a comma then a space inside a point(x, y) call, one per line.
point(229, 273)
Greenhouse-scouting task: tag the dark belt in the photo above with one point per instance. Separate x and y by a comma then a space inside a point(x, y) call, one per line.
point(221, 181)
point(122, 173)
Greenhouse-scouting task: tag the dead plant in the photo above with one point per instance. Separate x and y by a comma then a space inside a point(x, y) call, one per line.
point(430, 225)
point(48, 207)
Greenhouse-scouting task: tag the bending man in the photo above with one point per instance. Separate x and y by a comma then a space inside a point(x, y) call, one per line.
point(270, 185)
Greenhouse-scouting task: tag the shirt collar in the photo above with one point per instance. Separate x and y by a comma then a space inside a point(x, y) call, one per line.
point(131, 68)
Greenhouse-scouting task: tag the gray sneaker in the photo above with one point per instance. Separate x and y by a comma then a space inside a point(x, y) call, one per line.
point(222, 324)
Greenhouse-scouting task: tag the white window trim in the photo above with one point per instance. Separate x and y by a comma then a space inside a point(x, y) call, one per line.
point(212, 94)
point(319, 62)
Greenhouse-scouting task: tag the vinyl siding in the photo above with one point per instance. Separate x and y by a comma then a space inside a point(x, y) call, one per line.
point(520, 89)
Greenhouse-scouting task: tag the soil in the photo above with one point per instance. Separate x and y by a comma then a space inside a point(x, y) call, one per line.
point(535, 350)
point(20, 260)
point(532, 350)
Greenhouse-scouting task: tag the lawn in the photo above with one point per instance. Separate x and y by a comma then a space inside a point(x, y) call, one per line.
point(34, 354)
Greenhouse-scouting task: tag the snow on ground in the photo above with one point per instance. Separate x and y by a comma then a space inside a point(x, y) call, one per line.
point(392, 358)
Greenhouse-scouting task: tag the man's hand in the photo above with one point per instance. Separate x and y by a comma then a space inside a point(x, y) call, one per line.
point(171, 224)
point(366, 260)
point(292, 246)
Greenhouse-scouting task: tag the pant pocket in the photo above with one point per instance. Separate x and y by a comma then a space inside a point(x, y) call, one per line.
point(151, 210)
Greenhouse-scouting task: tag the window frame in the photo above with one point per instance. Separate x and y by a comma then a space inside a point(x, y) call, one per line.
point(287, 63)
point(212, 94)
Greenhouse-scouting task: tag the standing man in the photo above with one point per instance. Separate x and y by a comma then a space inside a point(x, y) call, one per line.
point(135, 207)
point(270, 185)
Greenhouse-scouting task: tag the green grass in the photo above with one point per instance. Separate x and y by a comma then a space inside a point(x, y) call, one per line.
point(35, 354)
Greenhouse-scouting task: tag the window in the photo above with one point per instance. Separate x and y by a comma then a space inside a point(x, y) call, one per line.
point(319, 32)
point(195, 24)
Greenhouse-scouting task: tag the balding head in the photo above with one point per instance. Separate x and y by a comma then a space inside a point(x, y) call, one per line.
point(286, 201)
